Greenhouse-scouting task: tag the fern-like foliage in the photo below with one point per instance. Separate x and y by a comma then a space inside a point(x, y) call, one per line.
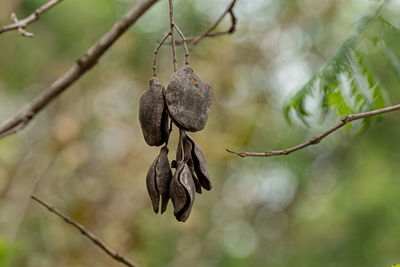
point(347, 83)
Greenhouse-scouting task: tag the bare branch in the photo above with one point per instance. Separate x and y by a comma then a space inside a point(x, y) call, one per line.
point(171, 19)
point(156, 53)
point(315, 140)
point(208, 33)
point(82, 65)
point(171, 34)
point(22, 24)
point(112, 253)
point(184, 43)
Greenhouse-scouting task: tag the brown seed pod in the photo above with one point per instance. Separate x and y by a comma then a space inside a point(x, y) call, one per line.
point(195, 180)
point(188, 98)
point(188, 147)
point(182, 191)
point(200, 164)
point(158, 181)
point(153, 115)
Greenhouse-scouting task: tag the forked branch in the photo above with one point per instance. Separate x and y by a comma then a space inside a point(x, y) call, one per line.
point(209, 32)
point(317, 139)
point(20, 25)
point(195, 40)
point(112, 253)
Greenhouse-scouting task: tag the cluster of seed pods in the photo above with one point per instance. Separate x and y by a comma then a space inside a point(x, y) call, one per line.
point(185, 102)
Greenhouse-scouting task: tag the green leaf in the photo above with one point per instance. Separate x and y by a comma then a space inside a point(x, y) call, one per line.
point(392, 57)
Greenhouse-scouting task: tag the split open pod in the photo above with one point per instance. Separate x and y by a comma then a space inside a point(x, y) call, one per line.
point(158, 181)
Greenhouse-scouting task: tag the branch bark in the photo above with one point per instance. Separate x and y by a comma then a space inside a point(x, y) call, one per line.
point(171, 20)
point(229, 10)
point(112, 253)
point(317, 139)
point(208, 33)
point(82, 65)
point(20, 25)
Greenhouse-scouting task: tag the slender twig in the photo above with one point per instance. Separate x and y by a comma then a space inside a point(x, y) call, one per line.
point(184, 43)
point(20, 25)
point(111, 252)
point(315, 140)
point(171, 19)
point(172, 35)
point(82, 65)
point(156, 53)
point(208, 33)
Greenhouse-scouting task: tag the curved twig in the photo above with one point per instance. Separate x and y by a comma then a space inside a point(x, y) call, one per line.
point(195, 40)
point(208, 33)
point(172, 23)
point(184, 43)
point(315, 140)
point(156, 53)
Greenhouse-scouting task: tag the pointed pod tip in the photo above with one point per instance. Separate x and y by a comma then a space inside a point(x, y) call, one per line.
point(155, 209)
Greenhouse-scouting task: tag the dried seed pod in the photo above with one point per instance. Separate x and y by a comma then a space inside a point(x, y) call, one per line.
point(153, 115)
point(182, 191)
point(158, 181)
point(200, 164)
point(188, 98)
point(188, 147)
point(195, 180)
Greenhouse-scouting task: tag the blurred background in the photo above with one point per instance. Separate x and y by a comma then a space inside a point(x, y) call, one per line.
point(334, 204)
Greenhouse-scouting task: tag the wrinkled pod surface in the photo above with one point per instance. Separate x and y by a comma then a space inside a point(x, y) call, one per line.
point(153, 114)
point(188, 99)
point(182, 191)
point(158, 181)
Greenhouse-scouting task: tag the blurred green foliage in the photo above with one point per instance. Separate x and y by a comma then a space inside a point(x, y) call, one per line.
point(334, 204)
point(346, 82)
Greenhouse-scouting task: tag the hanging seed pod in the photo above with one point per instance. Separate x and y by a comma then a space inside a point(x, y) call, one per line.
point(200, 165)
point(188, 147)
point(188, 98)
point(153, 115)
point(182, 191)
point(158, 181)
point(195, 180)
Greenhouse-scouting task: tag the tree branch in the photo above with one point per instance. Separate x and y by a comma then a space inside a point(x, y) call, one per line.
point(156, 53)
point(171, 19)
point(22, 24)
point(315, 140)
point(112, 253)
point(208, 33)
point(184, 43)
point(82, 65)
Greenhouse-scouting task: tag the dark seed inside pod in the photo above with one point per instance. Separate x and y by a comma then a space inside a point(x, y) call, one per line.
point(158, 180)
point(188, 98)
point(153, 115)
point(200, 164)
